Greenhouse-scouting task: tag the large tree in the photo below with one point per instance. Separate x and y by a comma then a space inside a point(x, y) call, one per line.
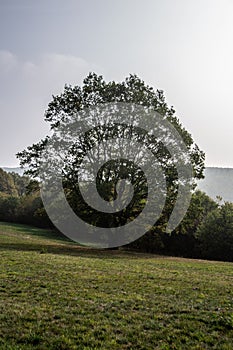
point(95, 91)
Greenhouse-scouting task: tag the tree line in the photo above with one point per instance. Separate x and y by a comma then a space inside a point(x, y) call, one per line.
point(205, 232)
point(20, 200)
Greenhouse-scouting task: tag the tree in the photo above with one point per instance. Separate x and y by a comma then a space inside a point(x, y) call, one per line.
point(215, 234)
point(96, 92)
point(182, 241)
point(7, 183)
point(9, 207)
point(200, 206)
point(20, 182)
point(30, 211)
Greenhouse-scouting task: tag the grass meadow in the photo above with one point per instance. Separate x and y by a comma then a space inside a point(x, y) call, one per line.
point(57, 295)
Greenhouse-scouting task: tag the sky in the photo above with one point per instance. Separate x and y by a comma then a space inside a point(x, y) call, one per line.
point(184, 47)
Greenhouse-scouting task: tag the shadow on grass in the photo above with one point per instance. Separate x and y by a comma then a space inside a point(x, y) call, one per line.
point(73, 250)
point(60, 244)
point(34, 231)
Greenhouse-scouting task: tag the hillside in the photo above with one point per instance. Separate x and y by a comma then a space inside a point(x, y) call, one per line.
point(218, 182)
point(16, 170)
point(56, 295)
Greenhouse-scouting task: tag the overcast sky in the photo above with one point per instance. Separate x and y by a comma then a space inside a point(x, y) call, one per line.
point(184, 47)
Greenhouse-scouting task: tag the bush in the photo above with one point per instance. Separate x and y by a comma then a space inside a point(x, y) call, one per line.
point(8, 207)
point(182, 241)
point(27, 209)
point(215, 234)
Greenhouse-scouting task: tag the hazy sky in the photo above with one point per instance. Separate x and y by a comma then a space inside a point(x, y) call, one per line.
point(184, 47)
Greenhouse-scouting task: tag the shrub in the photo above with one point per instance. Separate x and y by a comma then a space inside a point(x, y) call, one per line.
point(215, 234)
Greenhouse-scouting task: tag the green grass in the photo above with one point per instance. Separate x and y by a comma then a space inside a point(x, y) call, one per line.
point(56, 295)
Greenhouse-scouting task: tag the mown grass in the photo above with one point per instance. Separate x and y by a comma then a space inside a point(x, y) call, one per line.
point(56, 295)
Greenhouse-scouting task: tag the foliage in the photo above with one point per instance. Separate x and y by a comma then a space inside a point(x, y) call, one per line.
point(32, 212)
point(21, 183)
point(8, 207)
point(216, 233)
point(182, 241)
point(200, 206)
point(7, 184)
point(23, 204)
point(96, 91)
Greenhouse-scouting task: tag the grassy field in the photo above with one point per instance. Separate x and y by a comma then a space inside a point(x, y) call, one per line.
point(56, 295)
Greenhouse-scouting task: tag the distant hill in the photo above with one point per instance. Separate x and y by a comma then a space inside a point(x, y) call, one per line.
point(217, 182)
point(14, 170)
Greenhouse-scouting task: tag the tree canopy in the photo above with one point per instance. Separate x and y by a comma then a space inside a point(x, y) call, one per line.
point(95, 91)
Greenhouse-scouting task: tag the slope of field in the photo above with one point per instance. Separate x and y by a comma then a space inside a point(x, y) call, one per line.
point(56, 295)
